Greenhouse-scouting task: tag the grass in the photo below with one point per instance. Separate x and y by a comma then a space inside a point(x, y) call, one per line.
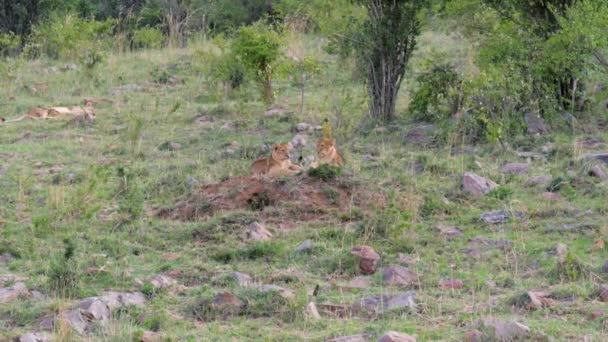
point(112, 175)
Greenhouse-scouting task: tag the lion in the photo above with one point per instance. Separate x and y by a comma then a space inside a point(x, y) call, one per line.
point(58, 112)
point(328, 153)
point(278, 164)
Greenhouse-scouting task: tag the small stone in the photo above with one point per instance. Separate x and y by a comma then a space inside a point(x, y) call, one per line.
point(368, 258)
point(448, 232)
point(299, 140)
point(283, 292)
point(35, 337)
point(303, 126)
point(604, 292)
point(226, 302)
point(305, 246)
point(539, 180)
point(599, 171)
point(500, 216)
point(93, 309)
point(242, 279)
point(311, 311)
point(399, 275)
point(74, 319)
point(8, 294)
point(258, 232)
point(480, 245)
point(393, 336)
point(595, 314)
point(516, 168)
point(473, 336)
point(380, 129)
point(151, 336)
point(352, 338)
point(552, 196)
point(162, 282)
point(451, 284)
point(385, 303)
point(536, 125)
point(561, 251)
point(507, 331)
point(476, 185)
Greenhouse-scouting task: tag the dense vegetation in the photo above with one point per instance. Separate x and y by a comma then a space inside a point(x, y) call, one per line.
point(423, 97)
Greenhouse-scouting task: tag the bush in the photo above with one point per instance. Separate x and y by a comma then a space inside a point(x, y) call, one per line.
point(325, 172)
point(437, 96)
point(148, 38)
point(63, 275)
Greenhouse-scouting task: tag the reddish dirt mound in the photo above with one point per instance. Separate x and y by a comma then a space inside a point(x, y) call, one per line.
point(295, 199)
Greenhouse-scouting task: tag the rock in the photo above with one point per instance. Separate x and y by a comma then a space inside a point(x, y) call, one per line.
point(191, 182)
point(506, 331)
point(311, 311)
point(228, 125)
point(151, 336)
point(539, 180)
point(451, 284)
point(516, 168)
point(305, 246)
point(561, 251)
point(604, 292)
point(598, 171)
point(162, 282)
point(605, 267)
point(473, 336)
point(276, 110)
point(399, 275)
point(407, 259)
point(590, 142)
point(534, 300)
point(74, 319)
point(393, 336)
point(552, 196)
point(448, 232)
point(8, 294)
point(595, 314)
point(35, 337)
point(352, 338)
point(117, 300)
point(603, 157)
point(170, 146)
point(357, 283)
point(258, 232)
point(69, 66)
point(299, 140)
point(531, 156)
point(226, 302)
point(480, 245)
point(283, 292)
point(500, 216)
point(242, 279)
point(420, 134)
point(380, 129)
point(477, 186)
point(368, 258)
point(93, 309)
point(303, 126)
point(384, 303)
point(536, 125)
point(6, 258)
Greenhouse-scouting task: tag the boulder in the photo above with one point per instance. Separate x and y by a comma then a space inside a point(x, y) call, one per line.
point(226, 302)
point(305, 246)
point(448, 232)
point(506, 331)
point(8, 294)
point(603, 157)
point(384, 303)
point(476, 185)
point(74, 319)
point(117, 300)
point(93, 309)
point(393, 336)
point(160, 281)
point(311, 311)
point(399, 275)
point(536, 124)
point(368, 258)
point(299, 140)
point(242, 279)
point(599, 171)
point(283, 292)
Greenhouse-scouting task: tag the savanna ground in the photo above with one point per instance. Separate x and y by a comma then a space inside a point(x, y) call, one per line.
point(100, 186)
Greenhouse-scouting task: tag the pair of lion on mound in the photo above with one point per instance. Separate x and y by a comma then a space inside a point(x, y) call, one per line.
point(279, 161)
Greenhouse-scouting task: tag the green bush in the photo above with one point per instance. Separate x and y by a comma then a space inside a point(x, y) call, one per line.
point(148, 38)
point(325, 172)
point(63, 278)
point(437, 95)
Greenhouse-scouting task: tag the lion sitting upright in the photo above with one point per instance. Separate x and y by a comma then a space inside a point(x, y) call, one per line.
point(278, 164)
point(328, 153)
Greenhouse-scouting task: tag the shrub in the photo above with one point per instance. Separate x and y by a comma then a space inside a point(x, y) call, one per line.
point(437, 95)
point(63, 275)
point(325, 172)
point(148, 38)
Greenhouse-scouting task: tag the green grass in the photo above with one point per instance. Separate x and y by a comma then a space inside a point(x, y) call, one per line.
point(113, 175)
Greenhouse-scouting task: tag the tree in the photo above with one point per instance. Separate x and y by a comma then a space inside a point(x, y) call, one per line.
point(384, 45)
point(258, 47)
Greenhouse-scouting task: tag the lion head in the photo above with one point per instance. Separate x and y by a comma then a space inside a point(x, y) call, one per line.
point(280, 152)
point(325, 146)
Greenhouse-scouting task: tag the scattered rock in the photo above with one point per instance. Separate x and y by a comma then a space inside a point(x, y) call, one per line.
point(311, 311)
point(534, 300)
point(591, 143)
point(258, 232)
point(385, 303)
point(399, 275)
point(8, 294)
point(277, 110)
point(599, 171)
point(35, 337)
point(604, 292)
point(536, 125)
point(451, 284)
point(352, 338)
point(305, 246)
point(448, 232)
point(393, 336)
point(117, 300)
point(480, 245)
point(162, 282)
point(299, 140)
point(516, 168)
point(476, 185)
point(552, 196)
point(603, 157)
point(93, 309)
point(283, 292)
point(151, 336)
point(74, 319)
point(303, 126)
point(242, 279)
point(506, 331)
point(500, 216)
point(380, 129)
point(368, 258)
point(473, 336)
point(226, 302)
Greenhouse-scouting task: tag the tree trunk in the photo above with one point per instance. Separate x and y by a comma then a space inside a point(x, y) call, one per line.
point(267, 93)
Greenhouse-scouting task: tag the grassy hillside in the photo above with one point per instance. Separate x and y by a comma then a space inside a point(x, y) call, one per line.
point(101, 187)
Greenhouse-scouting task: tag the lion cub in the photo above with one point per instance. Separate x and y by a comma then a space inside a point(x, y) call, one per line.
point(328, 153)
point(278, 164)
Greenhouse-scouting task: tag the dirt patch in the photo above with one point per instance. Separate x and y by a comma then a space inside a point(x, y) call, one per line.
point(281, 200)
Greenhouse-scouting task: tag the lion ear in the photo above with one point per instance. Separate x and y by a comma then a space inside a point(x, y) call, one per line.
point(289, 146)
point(333, 141)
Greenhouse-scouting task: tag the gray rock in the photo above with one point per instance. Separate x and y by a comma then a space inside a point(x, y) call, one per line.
point(448, 232)
point(480, 245)
point(226, 302)
point(117, 300)
point(500, 216)
point(399, 275)
point(311, 311)
point(536, 125)
point(283, 292)
point(385, 303)
point(160, 281)
point(539, 180)
point(393, 336)
point(74, 319)
point(506, 331)
point(93, 309)
point(191, 181)
point(599, 171)
point(368, 258)
point(242, 279)
point(8, 294)
point(299, 140)
point(35, 337)
point(303, 126)
point(516, 168)
point(476, 185)
point(603, 157)
point(305, 246)
point(352, 338)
